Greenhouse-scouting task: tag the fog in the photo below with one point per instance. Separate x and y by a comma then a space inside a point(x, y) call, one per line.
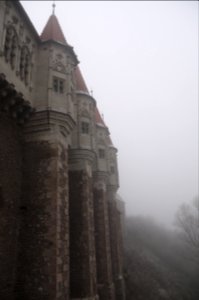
point(140, 59)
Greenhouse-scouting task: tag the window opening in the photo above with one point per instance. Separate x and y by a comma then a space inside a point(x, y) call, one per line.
point(58, 85)
point(101, 153)
point(85, 127)
point(61, 86)
point(24, 64)
point(10, 47)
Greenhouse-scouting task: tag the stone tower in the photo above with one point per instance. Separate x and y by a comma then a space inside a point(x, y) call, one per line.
point(60, 233)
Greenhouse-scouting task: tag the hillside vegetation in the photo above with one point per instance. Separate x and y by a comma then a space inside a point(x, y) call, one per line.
point(159, 264)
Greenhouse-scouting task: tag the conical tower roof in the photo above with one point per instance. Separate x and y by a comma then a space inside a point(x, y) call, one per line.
point(53, 31)
point(100, 121)
point(98, 118)
point(81, 85)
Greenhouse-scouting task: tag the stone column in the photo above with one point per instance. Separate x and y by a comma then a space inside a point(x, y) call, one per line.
point(43, 260)
point(116, 244)
point(102, 239)
point(82, 247)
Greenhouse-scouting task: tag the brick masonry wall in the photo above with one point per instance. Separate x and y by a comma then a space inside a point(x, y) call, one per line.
point(43, 256)
point(82, 250)
point(119, 283)
point(36, 261)
point(34, 219)
point(102, 242)
point(10, 194)
point(62, 252)
point(116, 246)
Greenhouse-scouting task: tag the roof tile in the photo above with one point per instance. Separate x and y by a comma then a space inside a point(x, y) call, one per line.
point(81, 85)
point(98, 118)
point(52, 31)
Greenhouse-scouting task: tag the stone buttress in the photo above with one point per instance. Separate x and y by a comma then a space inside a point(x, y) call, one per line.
point(83, 283)
point(102, 231)
point(115, 225)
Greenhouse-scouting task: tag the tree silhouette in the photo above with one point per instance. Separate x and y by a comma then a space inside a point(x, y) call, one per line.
point(187, 219)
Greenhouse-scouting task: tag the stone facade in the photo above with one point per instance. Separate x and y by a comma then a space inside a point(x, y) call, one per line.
point(60, 225)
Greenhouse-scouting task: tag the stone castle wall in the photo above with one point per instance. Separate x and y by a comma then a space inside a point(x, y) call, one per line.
point(11, 157)
point(63, 228)
point(60, 229)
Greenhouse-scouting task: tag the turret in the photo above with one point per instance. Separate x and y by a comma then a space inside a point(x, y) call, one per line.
point(81, 162)
point(56, 62)
point(83, 135)
point(102, 133)
point(112, 164)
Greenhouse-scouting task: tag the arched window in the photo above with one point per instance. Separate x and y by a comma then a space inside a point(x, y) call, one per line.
point(24, 64)
point(10, 46)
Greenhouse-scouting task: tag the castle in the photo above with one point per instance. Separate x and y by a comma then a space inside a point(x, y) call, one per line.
point(60, 225)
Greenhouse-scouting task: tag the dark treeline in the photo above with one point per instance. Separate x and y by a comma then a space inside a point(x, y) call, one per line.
point(159, 263)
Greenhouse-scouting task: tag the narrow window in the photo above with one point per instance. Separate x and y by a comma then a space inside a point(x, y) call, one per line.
point(85, 127)
point(55, 85)
point(7, 46)
point(58, 85)
point(101, 153)
point(24, 64)
point(26, 67)
point(10, 46)
point(61, 86)
point(13, 51)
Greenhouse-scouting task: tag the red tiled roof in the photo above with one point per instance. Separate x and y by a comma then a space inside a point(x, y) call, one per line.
point(98, 118)
point(81, 85)
point(52, 31)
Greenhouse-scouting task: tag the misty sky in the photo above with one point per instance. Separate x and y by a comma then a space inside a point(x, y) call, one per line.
point(140, 58)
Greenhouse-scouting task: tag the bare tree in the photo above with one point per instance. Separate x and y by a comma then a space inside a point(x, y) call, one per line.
point(187, 219)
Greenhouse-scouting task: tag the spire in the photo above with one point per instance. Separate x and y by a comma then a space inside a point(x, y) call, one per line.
point(52, 30)
point(53, 5)
point(81, 85)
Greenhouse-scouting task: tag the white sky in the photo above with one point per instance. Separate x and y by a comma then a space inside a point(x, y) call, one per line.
point(140, 58)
